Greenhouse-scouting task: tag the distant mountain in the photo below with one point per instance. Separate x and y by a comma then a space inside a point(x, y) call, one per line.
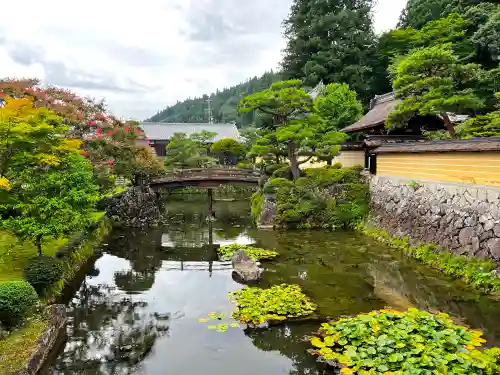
point(224, 103)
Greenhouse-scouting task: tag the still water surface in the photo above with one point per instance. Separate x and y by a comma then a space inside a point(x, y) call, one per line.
point(138, 309)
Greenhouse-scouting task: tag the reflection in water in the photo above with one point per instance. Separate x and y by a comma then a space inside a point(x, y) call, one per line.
point(109, 333)
point(137, 312)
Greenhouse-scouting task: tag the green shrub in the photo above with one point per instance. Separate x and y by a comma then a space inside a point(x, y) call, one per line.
point(255, 306)
point(283, 172)
point(270, 169)
point(244, 164)
point(257, 202)
point(256, 253)
point(262, 181)
point(43, 272)
point(478, 273)
point(411, 342)
point(274, 184)
point(330, 175)
point(16, 300)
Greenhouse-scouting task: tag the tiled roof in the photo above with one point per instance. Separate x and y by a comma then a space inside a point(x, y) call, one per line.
point(381, 107)
point(161, 131)
point(464, 145)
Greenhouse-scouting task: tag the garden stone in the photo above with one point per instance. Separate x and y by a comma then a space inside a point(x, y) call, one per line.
point(486, 236)
point(488, 225)
point(493, 246)
point(496, 230)
point(465, 236)
point(245, 268)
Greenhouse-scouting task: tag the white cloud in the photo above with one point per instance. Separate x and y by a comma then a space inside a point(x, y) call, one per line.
point(142, 56)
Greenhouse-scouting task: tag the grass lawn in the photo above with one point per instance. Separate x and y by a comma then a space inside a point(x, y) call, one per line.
point(15, 254)
point(18, 346)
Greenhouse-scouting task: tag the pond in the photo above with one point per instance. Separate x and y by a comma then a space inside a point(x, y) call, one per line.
point(137, 311)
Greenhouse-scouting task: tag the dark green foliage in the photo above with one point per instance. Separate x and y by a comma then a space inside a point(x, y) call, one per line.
point(16, 300)
point(433, 81)
point(330, 41)
point(418, 12)
point(43, 272)
point(270, 169)
point(283, 172)
point(224, 103)
point(326, 198)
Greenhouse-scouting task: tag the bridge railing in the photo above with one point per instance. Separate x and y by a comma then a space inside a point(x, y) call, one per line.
point(180, 174)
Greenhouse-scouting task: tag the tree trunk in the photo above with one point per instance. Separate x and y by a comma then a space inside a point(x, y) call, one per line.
point(277, 159)
point(329, 161)
point(294, 165)
point(449, 126)
point(38, 244)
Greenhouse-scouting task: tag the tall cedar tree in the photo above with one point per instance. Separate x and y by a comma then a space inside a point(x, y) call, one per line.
point(330, 41)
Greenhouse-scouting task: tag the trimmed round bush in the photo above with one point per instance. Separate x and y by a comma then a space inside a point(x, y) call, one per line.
point(270, 169)
point(283, 172)
point(16, 300)
point(274, 184)
point(43, 272)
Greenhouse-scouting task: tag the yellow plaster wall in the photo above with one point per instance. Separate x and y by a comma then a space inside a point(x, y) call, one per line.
point(465, 167)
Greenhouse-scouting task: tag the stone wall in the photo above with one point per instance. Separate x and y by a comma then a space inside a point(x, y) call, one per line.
point(462, 217)
point(47, 342)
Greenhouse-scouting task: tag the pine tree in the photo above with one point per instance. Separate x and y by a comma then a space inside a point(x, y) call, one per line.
point(330, 41)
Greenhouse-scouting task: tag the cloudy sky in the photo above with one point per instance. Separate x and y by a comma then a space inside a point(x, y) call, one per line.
point(144, 55)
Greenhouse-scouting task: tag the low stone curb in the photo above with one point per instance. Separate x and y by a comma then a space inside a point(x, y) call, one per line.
point(47, 341)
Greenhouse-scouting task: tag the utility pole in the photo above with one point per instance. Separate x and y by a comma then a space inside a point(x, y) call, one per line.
point(209, 110)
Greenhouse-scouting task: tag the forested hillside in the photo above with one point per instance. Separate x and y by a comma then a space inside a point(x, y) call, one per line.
point(224, 104)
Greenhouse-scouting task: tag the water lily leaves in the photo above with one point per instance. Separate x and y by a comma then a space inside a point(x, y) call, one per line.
point(329, 340)
point(203, 320)
point(212, 327)
point(234, 325)
point(226, 252)
point(278, 303)
point(317, 342)
point(384, 341)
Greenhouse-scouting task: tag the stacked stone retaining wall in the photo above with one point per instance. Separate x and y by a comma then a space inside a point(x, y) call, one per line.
point(462, 217)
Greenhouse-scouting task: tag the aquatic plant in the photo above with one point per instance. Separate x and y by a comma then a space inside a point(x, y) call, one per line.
point(221, 327)
point(479, 273)
point(255, 306)
point(411, 342)
point(226, 252)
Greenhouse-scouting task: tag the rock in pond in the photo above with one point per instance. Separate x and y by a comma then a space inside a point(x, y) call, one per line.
point(245, 268)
